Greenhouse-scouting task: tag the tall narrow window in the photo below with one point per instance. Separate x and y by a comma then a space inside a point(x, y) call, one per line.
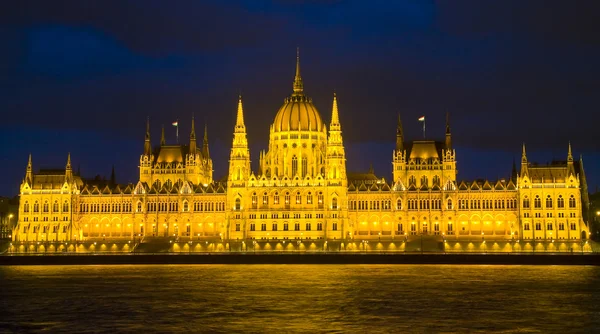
point(572, 203)
point(537, 202)
point(309, 198)
point(298, 198)
point(526, 203)
point(449, 203)
point(26, 207)
point(265, 198)
point(304, 166)
point(334, 203)
point(549, 202)
point(276, 198)
point(45, 206)
point(560, 202)
point(399, 204)
point(294, 166)
point(238, 204)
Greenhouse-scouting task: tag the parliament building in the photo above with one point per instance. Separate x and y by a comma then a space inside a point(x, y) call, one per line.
point(302, 197)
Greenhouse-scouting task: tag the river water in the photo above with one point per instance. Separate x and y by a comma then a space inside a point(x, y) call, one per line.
point(300, 298)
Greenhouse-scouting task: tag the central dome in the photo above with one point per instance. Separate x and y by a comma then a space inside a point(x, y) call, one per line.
point(298, 113)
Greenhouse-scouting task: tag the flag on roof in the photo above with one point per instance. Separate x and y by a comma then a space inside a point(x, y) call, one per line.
point(422, 119)
point(175, 123)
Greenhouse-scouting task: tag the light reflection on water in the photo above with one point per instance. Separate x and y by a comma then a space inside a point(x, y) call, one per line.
point(300, 298)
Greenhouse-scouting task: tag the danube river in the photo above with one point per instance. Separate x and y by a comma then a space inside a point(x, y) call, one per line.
point(300, 298)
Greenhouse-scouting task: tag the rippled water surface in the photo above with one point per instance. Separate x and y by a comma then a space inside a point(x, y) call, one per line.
point(300, 298)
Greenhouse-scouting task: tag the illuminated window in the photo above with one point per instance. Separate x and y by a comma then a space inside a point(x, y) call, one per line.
point(399, 204)
point(238, 204)
point(449, 204)
point(400, 227)
point(549, 202)
point(26, 207)
point(537, 202)
point(298, 198)
point(294, 166)
point(276, 198)
point(334, 203)
point(304, 166)
point(572, 203)
point(185, 206)
point(265, 198)
point(309, 198)
point(526, 203)
point(560, 202)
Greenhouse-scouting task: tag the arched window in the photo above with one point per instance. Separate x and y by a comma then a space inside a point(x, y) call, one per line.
point(254, 200)
point(572, 202)
point(423, 181)
point(276, 198)
point(185, 206)
point(399, 204)
point(560, 202)
point(55, 206)
point(334, 203)
point(157, 184)
point(526, 202)
point(309, 198)
point(287, 198)
point(298, 198)
point(449, 204)
point(537, 202)
point(265, 198)
point(169, 184)
point(549, 202)
point(139, 207)
point(46, 206)
point(36, 207)
point(66, 206)
point(294, 166)
point(436, 180)
point(26, 207)
point(238, 204)
point(304, 166)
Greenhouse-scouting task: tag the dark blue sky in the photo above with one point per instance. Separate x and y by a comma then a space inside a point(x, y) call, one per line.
point(82, 76)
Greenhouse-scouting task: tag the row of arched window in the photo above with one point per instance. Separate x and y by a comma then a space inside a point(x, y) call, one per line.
point(286, 227)
point(549, 203)
point(46, 207)
point(105, 207)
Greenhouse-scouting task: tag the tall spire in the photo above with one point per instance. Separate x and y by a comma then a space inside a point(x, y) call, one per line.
point(399, 136)
point(448, 133)
point(162, 136)
point(335, 118)
point(570, 154)
point(298, 85)
point(147, 145)
point(524, 164)
point(29, 171)
point(205, 151)
point(193, 138)
point(68, 169)
point(239, 124)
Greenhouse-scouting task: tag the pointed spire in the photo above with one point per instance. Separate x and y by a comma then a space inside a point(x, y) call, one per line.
point(205, 151)
point(68, 169)
point(399, 136)
point(239, 124)
point(524, 164)
point(524, 155)
point(570, 154)
point(162, 136)
point(147, 145)
point(298, 85)
point(335, 118)
point(193, 138)
point(29, 171)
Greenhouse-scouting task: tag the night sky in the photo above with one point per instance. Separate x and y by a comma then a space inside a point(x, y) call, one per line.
point(82, 76)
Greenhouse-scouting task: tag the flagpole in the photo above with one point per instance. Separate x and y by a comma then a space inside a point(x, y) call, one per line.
point(424, 129)
point(177, 131)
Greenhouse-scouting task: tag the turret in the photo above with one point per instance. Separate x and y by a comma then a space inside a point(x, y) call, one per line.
point(205, 151)
point(193, 138)
point(147, 145)
point(336, 156)
point(239, 159)
point(162, 136)
point(68, 169)
point(29, 172)
point(448, 134)
point(524, 164)
point(298, 85)
point(570, 167)
point(399, 136)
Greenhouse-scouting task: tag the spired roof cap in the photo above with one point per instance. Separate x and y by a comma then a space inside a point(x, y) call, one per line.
point(298, 113)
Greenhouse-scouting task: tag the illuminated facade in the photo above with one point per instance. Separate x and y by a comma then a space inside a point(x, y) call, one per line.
point(301, 191)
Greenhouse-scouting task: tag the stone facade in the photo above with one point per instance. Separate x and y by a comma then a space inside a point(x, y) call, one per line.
point(302, 192)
